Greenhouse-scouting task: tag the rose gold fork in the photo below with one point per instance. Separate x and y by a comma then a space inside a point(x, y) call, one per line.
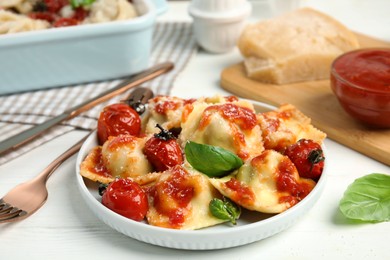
point(26, 198)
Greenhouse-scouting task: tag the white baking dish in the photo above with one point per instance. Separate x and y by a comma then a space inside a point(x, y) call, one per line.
point(78, 54)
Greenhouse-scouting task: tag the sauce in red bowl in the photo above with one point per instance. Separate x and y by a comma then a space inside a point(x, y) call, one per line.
point(361, 81)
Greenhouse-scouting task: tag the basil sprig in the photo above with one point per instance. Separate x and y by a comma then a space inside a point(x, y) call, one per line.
point(367, 199)
point(225, 209)
point(211, 160)
point(79, 3)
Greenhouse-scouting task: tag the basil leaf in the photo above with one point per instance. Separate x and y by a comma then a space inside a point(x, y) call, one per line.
point(211, 160)
point(367, 199)
point(79, 3)
point(225, 210)
point(233, 209)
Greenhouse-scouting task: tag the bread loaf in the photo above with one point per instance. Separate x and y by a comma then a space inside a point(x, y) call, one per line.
point(297, 46)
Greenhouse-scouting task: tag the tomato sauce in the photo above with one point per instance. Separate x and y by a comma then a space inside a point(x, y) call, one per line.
point(271, 125)
point(239, 143)
point(242, 116)
point(243, 195)
point(186, 112)
point(287, 182)
point(189, 101)
point(367, 69)
point(172, 196)
point(165, 106)
point(120, 141)
point(97, 166)
point(361, 81)
point(231, 98)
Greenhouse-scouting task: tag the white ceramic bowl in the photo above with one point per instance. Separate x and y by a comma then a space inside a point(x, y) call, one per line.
point(78, 54)
point(216, 5)
point(218, 32)
point(251, 226)
point(279, 7)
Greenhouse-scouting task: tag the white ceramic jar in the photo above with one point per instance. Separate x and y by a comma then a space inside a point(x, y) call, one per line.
point(217, 5)
point(218, 23)
point(279, 7)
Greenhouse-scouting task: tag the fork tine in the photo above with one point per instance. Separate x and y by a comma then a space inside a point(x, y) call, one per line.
point(8, 212)
point(2, 204)
point(5, 211)
point(5, 208)
point(14, 213)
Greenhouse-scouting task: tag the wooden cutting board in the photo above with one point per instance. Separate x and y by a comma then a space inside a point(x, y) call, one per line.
point(316, 100)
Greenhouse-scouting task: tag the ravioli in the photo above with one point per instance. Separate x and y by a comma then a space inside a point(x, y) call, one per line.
point(180, 200)
point(93, 167)
point(285, 126)
point(268, 183)
point(230, 125)
point(119, 157)
point(165, 111)
point(123, 157)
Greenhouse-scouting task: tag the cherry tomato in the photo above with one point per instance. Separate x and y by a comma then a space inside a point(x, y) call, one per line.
point(118, 119)
point(163, 151)
point(126, 198)
point(307, 157)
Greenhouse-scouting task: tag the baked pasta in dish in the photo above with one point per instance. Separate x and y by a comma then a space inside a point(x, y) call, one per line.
point(200, 162)
point(30, 15)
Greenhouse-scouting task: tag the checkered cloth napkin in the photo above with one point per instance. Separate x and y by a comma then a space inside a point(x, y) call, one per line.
point(171, 42)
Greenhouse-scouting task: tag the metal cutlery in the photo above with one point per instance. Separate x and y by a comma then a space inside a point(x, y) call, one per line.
point(28, 135)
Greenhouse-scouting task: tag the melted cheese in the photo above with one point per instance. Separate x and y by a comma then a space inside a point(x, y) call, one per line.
point(123, 157)
point(262, 184)
point(180, 199)
point(286, 126)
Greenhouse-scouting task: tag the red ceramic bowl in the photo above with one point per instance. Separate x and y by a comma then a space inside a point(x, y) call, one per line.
point(361, 81)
